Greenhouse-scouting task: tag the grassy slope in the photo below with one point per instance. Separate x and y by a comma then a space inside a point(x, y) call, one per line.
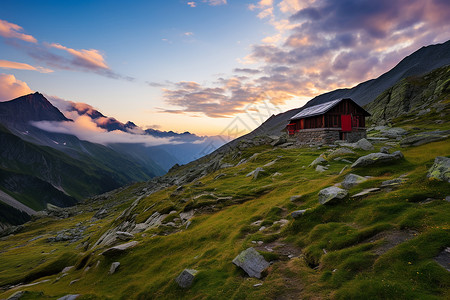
point(350, 269)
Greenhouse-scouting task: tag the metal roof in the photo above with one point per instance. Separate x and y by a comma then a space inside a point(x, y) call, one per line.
point(316, 109)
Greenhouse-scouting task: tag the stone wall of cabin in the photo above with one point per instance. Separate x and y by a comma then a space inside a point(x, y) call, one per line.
point(320, 136)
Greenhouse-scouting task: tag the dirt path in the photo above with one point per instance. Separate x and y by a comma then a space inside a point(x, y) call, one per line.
point(5, 198)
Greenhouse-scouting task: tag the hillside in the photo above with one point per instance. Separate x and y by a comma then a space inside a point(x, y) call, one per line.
point(386, 235)
point(418, 63)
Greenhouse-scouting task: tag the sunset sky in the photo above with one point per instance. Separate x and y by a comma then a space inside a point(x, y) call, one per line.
point(201, 65)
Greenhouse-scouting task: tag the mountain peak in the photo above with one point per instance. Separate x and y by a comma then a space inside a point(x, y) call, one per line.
point(31, 107)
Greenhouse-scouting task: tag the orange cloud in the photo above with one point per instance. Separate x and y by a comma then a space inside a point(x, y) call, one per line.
point(90, 58)
point(10, 30)
point(5, 64)
point(11, 88)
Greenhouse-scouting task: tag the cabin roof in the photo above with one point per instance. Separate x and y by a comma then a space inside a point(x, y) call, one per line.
point(320, 109)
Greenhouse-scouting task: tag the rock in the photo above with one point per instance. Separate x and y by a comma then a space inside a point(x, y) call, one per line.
point(67, 269)
point(270, 163)
point(394, 132)
point(340, 152)
point(298, 213)
point(295, 198)
point(331, 193)
point(69, 297)
point(447, 198)
point(364, 144)
point(352, 180)
point(384, 150)
point(220, 176)
point(226, 165)
point(318, 161)
point(393, 182)
point(17, 295)
point(255, 172)
point(424, 138)
point(442, 259)
point(114, 266)
point(185, 216)
point(276, 174)
point(262, 228)
point(186, 278)
point(279, 141)
point(119, 248)
point(366, 192)
point(282, 222)
point(343, 169)
point(440, 170)
point(124, 236)
point(321, 169)
point(376, 158)
point(251, 262)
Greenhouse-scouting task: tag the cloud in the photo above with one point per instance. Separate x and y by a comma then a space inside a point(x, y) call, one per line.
point(320, 45)
point(85, 129)
point(5, 64)
point(11, 88)
point(192, 4)
point(91, 59)
point(10, 30)
point(188, 33)
point(215, 2)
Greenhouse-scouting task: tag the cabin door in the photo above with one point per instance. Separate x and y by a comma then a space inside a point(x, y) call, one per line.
point(346, 123)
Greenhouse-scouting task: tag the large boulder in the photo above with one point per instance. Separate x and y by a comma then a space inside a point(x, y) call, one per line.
point(331, 193)
point(394, 132)
point(440, 170)
point(186, 278)
point(251, 262)
point(377, 158)
point(352, 180)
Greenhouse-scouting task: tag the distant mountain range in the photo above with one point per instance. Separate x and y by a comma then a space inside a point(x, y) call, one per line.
point(39, 167)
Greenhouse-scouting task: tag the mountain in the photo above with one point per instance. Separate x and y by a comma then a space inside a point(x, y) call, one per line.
point(32, 107)
point(257, 221)
point(418, 63)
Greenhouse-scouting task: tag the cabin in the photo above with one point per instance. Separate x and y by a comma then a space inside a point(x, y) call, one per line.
point(340, 119)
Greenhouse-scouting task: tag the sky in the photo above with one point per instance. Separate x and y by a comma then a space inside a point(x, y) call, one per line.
point(206, 66)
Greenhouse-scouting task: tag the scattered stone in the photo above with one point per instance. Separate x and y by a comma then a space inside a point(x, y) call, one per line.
point(352, 180)
point(280, 140)
point(114, 266)
point(440, 170)
point(220, 176)
point(276, 174)
point(74, 281)
point(187, 215)
point(69, 297)
point(364, 144)
point(258, 284)
point(331, 193)
point(343, 169)
point(384, 150)
point(296, 214)
point(255, 173)
point(321, 169)
point(393, 182)
point(318, 161)
point(67, 269)
point(340, 152)
point(295, 198)
point(251, 262)
point(188, 223)
point(270, 163)
point(124, 236)
point(424, 138)
point(226, 165)
point(119, 249)
point(443, 258)
point(17, 295)
point(262, 228)
point(282, 222)
point(394, 132)
point(186, 278)
point(366, 192)
point(376, 158)
point(347, 161)
point(447, 198)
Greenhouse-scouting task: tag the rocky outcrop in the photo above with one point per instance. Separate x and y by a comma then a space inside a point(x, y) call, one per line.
point(119, 249)
point(425, 138)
